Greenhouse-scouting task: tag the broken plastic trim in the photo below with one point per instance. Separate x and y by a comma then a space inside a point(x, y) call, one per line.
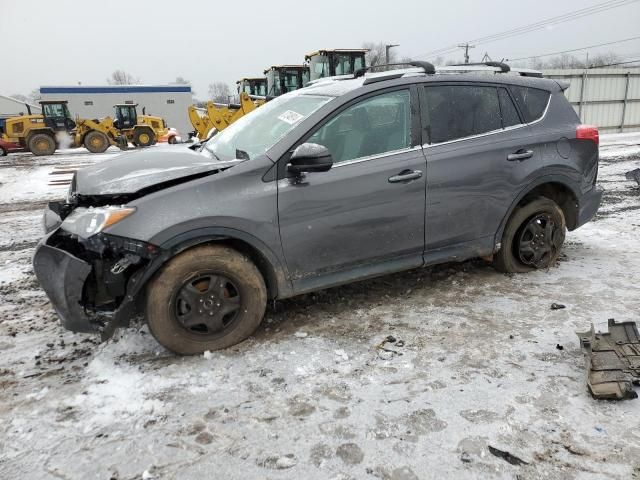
point(613, 360)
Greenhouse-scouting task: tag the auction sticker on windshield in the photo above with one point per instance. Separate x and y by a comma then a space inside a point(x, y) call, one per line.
point(290, 117)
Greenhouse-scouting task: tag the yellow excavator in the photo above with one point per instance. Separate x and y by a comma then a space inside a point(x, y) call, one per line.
point(42, 134)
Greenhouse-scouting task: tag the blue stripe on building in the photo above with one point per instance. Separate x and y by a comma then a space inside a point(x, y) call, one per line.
point(117, 89)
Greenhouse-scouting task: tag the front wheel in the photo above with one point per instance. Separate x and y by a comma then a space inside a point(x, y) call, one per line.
point(532, 238)
point(96, 142)
point(3, 152)
point(42, 144)
point(143, 137)
point(207, 298)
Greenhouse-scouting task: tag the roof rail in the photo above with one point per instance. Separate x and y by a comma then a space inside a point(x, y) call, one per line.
point(504, 68)
point(496, 67)
point(428, 68)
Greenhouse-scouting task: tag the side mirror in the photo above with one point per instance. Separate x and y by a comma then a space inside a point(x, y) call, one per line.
point(310, 157)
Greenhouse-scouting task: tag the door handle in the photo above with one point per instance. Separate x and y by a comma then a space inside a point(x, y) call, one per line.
point(520, 155)
point(405, 176)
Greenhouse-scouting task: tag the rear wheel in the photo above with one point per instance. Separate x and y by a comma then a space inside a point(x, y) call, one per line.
point(207, 298)
point(143, 137)
point(532, 238)
point(42, 144)
point(96, 142)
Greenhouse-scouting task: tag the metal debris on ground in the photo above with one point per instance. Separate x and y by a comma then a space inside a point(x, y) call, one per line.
point(633, 175)
point(389, 339)
point(613, 360)
point(557, 306)
point(509, 457)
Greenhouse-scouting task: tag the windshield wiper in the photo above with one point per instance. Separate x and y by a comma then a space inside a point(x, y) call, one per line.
point(242, 155)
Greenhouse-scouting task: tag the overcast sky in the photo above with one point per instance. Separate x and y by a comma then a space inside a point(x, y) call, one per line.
point(63, 42)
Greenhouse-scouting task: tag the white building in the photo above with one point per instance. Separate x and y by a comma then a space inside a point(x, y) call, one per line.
point(10, 107)
point(167, 101)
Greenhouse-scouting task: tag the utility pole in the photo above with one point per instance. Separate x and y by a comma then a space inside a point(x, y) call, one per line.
point(386, 51)
point(466, 47)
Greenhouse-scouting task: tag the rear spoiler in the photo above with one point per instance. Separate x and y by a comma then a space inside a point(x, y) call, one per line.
point(563, 84)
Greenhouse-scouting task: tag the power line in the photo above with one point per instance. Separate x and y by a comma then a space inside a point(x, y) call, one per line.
point(598, 8)
point(574, 49)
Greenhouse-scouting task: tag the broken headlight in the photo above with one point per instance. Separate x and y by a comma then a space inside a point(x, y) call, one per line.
point(85, 222)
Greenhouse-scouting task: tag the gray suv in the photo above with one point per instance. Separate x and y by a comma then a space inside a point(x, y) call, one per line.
point(343, 180)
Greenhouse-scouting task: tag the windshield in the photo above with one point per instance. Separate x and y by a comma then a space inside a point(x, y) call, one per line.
point(258, 131)
point(259, 87)
point(319, 67)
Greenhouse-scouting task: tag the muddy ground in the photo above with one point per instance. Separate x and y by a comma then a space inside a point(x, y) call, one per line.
point(477, 361)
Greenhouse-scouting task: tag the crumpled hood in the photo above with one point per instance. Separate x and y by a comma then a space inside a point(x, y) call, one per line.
point(131, 172)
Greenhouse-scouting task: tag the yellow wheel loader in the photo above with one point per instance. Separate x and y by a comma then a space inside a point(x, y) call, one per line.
point(282, 79)
point(219, 116)
point(335, 62)
point(253, 86)
point(141, 130)
point(42, 134)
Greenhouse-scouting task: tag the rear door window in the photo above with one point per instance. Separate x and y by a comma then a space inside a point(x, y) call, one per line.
point(508, 110)
point(532, 102)
point(459, 111)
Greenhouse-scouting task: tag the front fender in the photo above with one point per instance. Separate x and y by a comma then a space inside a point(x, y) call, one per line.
point(189, 234)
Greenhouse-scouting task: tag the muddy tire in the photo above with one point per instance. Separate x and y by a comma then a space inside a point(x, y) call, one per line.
point(532, 238)
point(96, 142)
point(143, 137)
point(42, 144)
point(206, 298)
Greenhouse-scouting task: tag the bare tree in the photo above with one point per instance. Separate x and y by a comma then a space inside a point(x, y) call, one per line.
point(572, 61)
point(184, 81)
point(120, 77)
point(219, 92)
point(34, 96)
point(20, 97)
point(377, 53)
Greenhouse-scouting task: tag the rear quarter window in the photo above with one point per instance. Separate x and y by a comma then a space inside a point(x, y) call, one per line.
point(532, 102)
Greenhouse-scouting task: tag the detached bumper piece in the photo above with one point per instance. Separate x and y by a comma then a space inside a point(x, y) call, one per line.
point(613, 360)
point(62, 277)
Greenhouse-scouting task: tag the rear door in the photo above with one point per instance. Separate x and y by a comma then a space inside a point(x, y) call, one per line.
point(367, 212)
point(479, 155)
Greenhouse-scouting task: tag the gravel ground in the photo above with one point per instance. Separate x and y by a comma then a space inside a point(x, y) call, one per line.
point(475, 361)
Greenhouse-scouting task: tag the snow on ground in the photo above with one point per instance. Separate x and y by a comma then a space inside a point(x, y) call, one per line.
point(480, 360)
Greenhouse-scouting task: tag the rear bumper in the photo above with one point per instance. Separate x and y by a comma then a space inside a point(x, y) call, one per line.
point(62, 277)
point(588, 205)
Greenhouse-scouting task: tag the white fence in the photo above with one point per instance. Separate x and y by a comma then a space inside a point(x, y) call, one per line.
point(606, 97)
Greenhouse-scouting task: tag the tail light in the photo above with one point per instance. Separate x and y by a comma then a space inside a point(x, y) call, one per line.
point(588, 132)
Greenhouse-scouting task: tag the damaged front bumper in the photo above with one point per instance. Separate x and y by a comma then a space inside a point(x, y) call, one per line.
point(62, 277)
point(92, 283)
